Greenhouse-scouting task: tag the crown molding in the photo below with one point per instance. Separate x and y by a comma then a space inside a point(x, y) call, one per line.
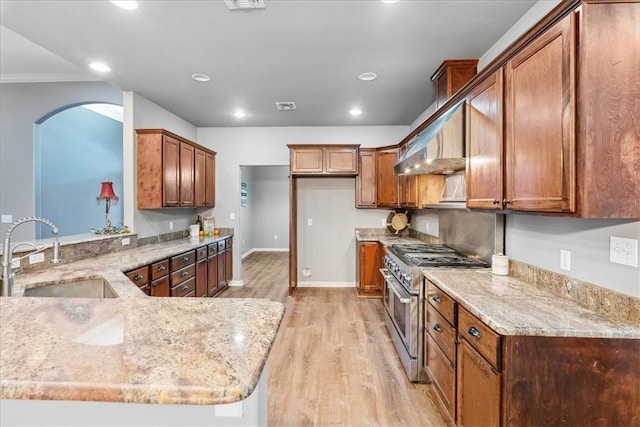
point(47, 78)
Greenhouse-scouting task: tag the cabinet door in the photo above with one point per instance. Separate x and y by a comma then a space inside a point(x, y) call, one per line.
point(369, 276)
point(201, 279)
point(306, 160)
point(387, 183)
point(485, 144)
point(342, 160)
point(200, 177)
point(478, 389)
point(366, 179)
point(221, 272)
point(171, 171)
point(187, 160)
point(160, 287)
point(408, 187)
point(210, 180)
point(212, 275)
point(228, 266)
point(442, 372)
point(540, 123)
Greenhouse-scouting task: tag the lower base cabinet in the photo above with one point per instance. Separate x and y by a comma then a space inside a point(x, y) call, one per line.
point(369, 261)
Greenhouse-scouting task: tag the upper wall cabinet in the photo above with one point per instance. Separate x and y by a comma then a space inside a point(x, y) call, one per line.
point(325, 160)
point(173, 171)
point(387, 183)
point(366, 179)
point(451, 76)
point(571, 143)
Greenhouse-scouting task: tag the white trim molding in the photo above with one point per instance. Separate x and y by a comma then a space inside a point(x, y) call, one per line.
point(236, 283)
point(250, 251)
point(326, 284)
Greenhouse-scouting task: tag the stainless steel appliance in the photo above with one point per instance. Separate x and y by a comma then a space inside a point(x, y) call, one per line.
point(404, 296)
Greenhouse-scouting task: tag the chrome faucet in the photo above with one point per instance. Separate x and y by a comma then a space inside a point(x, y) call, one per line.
point(7, 274)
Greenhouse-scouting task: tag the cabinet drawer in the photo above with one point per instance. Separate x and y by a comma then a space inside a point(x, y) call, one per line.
point(185, 288)
point(201, 253)
point(182, 260)
point(480, 336)
point(159, 269)
point(442, 373)
point(221, 246)
point(160, 287)
point(213, 249)
point(442, 302)
point(139, 276)
point(180, 276)
point(442, 332)
point(146, 288)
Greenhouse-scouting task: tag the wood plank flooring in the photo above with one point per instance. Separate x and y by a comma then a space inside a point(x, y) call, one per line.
point(333, 362)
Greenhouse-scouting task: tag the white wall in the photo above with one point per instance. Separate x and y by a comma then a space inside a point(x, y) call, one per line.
point(140, 113)
point(21, 106)
point(263, 146)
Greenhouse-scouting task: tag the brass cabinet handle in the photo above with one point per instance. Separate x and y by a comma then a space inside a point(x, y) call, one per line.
point(474, 332)
point(436, 298)
point(437, 327)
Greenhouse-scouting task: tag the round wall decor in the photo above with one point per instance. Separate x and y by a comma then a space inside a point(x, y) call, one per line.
point(398, 221)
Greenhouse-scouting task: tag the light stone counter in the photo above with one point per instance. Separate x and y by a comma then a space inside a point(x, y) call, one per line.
point(514, 307)
point(387, 239)
point(134, 348)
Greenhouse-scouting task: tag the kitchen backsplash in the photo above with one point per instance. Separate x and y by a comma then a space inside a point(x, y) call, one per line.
point(608, 303)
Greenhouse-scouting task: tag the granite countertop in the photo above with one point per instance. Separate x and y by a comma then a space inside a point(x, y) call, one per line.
point(133, 348)
point(513, 307)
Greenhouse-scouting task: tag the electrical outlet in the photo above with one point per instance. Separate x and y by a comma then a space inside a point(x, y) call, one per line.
point(309, 221)
point(36, 258)
point(275, 237)
point(7, 219)
point(306, 272)
point(623, 251)
point(565, 260)
point(232, 216)
point(170, 225)
point(384, 222)
point(126, 241)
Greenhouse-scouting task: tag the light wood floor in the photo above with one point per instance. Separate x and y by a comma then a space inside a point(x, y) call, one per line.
point(333, 363)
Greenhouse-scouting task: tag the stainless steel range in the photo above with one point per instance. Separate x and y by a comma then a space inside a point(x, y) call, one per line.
point(404, 296)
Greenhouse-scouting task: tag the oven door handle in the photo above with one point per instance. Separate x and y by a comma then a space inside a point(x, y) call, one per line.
point(405, 299)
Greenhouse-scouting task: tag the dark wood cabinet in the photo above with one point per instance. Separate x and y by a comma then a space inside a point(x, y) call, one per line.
point(366, 179)
point(369, 262)
point(228, 261)
point(540, 122)
point(408, 189)
point(451, 76)
point(173, 171)
point(324, 159)
point(485, 146)
point(387, 183)
point(221, 265)
point(160, 278)
point(201, 272)
point(212, 270)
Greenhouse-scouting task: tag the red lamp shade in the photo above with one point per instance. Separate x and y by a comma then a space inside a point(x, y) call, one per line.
point(107, 192)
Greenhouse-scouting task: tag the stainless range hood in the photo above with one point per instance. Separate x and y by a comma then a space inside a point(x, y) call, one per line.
point(438, 149)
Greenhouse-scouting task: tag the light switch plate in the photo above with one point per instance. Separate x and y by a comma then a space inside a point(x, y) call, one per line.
point(232, 216)
point(384, 222)
point(309, 221)
point(34, 259)
point(7, 219)
point(565, 260)
point(623, 251)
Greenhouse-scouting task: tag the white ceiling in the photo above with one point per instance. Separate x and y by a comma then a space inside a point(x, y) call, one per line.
point(310, 52)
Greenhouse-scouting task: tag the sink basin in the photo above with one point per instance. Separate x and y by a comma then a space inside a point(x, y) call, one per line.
point(81, 288)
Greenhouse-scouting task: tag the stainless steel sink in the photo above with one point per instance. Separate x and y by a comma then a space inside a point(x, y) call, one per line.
point(81, 288)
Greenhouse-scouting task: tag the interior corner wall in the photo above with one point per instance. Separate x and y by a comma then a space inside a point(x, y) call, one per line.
point(147, 115)
point(22, 105)
point(269, 195)
point(246, 212)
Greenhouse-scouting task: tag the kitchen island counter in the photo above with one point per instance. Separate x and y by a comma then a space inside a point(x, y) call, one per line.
point(514, 307)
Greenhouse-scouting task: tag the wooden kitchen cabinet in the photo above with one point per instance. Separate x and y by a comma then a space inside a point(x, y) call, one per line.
point(221, 266)
point(324, 159)
point(451, 76)
point(387, 183)
point(201, 271)
point(408, 186)
point(540, 97)
point(228, 261)
point(212, 270)
point(172, 171)
point(159, 271)
point(369, 262)
point(366, 179)
point(485, 146)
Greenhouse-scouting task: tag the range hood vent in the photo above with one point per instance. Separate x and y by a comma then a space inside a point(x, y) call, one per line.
point(438, 149)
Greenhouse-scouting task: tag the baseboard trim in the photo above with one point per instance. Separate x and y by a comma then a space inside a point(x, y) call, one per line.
point(236, 283)
point(326, 284)
point(250, 251)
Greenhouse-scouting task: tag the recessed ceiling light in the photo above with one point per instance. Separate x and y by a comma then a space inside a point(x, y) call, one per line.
point(239, 114)
point(200, 77)
point(100, 67)
point(367, 76)
point(129, 5)
point(355, 111)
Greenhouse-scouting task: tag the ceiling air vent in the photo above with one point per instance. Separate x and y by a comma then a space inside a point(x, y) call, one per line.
point(286, 105)
point(244, 4)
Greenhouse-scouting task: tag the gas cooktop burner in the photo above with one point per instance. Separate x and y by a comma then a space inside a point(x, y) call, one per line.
point(422, 248)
